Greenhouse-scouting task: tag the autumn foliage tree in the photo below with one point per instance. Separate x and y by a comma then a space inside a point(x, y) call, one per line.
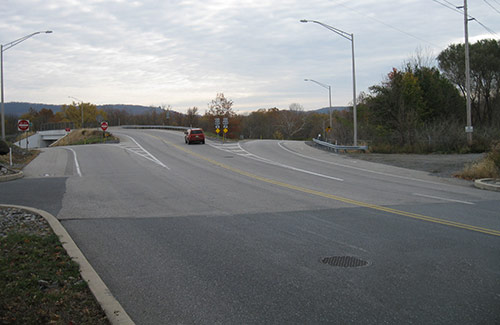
point(221, 107)
point(73, 113)
point(39, 118)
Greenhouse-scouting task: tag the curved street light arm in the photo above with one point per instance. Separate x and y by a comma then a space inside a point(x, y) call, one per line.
point(7, 46)
point(333, 29)
point(319, 83)
point(3, 48)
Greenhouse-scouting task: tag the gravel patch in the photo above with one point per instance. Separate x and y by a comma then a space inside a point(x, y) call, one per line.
point(22, 221)
point(441, 165)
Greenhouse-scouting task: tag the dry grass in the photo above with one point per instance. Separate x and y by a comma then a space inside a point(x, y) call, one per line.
point(488, 167)
point(84, 136)
point(20, 157)
point(482, 169)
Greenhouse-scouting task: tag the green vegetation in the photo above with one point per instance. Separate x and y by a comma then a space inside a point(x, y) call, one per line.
point(40, 284)
point(4, 148)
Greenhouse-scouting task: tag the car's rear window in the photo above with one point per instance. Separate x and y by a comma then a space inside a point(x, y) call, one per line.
point(197, 132)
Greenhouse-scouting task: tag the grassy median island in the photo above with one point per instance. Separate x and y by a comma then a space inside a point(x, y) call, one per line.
point(39, 283)
point(85, 136)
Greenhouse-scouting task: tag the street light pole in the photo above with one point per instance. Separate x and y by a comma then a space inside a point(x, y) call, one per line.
point(5, 47)
point(329, 96)
point(349, 37)
point(81, 106)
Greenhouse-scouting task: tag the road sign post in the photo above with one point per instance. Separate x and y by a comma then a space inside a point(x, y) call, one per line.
point(104, 127)
point(225, 124)
point(217, 125)
point(24, 126)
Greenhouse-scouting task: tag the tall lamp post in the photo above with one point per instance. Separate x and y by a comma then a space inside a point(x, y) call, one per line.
point(5, 47)
point(329, 95)
point(349, 37)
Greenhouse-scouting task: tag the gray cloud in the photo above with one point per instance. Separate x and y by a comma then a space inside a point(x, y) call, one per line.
point(183, 52)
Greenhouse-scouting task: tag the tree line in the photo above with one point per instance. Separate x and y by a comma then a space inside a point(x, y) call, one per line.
point(417, 108)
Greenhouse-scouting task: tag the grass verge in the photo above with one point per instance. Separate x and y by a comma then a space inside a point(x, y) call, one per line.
point(40, 284)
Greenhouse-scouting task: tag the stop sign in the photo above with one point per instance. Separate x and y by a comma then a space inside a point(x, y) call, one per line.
point(104, 125)
point(23, 125)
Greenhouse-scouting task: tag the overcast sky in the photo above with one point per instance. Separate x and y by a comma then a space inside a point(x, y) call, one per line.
point(182, 53)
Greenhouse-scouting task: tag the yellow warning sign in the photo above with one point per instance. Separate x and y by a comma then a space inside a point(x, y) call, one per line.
point(217, 130)
point(225, 130)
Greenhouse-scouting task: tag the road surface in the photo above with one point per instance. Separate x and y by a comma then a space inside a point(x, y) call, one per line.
point(238, 232)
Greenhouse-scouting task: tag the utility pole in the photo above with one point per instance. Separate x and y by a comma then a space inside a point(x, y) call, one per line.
point(468, 129)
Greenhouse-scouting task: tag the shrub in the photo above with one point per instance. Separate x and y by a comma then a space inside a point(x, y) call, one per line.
point(482, 169)
point(488, 167)
point(4, 148)
point(494, 154)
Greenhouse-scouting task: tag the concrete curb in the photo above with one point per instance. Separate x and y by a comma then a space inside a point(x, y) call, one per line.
point(11, 177)
point(490, 184)
point(114, 311)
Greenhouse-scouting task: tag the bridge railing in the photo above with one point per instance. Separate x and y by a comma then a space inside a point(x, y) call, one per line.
point(164, 127)
point(336, 147)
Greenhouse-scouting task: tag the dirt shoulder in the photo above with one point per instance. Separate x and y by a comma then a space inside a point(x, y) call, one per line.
point(442, 165)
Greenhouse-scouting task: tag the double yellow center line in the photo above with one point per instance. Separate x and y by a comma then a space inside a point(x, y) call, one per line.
point(335, 197)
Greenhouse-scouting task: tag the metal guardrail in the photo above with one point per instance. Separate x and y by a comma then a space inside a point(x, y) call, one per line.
point(336, 148)
point(165, 127)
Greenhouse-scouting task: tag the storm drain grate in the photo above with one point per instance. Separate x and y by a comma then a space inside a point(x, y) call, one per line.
point(344, 261)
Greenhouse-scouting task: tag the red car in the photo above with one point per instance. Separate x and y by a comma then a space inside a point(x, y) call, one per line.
point(194, 135)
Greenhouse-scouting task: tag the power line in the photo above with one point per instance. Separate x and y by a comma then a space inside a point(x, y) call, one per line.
point(390, 26)
point(489, 4)
point(451, 6)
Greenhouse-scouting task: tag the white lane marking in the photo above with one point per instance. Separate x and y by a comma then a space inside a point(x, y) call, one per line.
point(361, 169)
point(442, 198)
point(78, 171)
point(238, 150)
point(145, 154)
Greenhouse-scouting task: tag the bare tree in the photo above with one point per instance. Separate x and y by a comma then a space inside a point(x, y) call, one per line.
point(292, 121)
point(192, 116)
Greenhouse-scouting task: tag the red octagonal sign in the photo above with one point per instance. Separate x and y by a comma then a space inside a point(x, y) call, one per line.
point(23, 125)
point(104, 126)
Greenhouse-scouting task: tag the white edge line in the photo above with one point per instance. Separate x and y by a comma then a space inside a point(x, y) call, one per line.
point(442, 198)
point(78, 171)
point(152, 158)
point(288, 167)
point(267, 161)
point(358, 168)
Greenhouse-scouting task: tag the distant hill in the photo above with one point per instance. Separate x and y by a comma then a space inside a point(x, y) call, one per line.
point(326, 110)
point(19, 108)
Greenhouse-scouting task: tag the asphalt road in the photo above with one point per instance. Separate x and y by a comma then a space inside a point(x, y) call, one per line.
point(236, 233)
